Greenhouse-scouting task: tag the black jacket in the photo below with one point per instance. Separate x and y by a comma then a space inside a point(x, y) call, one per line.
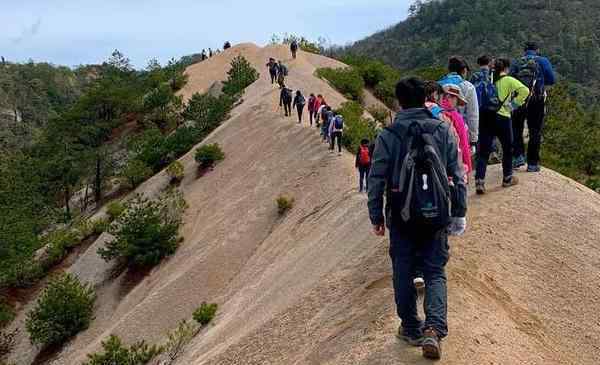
point(285, 97)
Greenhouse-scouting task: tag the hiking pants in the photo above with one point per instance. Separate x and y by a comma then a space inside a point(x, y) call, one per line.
point(287, 108)
point(273, 76)
point(363, 173)
point(336, 136)
point(300, 109)
point(294, 53)
point(491, 126)
point(534, 112)
point(429, 252)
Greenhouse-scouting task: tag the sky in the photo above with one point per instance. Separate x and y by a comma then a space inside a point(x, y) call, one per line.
point(74, 32)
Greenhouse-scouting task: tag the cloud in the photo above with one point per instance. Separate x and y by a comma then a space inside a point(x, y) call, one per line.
point(28, 32)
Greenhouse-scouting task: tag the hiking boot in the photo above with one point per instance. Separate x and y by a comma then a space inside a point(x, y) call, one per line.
point(413, 337)
point(419, 284)
point(480, 186)
point(510, 181)
point(518, 161)
point(533, 168)
point(431, 344)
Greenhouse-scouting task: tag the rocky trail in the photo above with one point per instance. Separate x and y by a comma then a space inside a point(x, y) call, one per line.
point(314, 287)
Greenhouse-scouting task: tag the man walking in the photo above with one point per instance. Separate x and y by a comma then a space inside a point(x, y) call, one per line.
point(285, 100)
point(536, 73)
point(273, 69)
point(415, 164)
point(294, 48)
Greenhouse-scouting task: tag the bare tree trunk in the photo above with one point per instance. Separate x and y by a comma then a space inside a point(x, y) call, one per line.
point(67, 204)
point(98, 181)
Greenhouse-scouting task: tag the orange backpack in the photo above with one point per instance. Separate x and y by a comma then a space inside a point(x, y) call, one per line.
point(365, 156)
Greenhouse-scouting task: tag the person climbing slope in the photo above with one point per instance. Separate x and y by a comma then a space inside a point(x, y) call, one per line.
point(326, 116)
point(535, 72)
point(512, 94)
point(363, 164)
point(319, 105)
point(312, 101)
point(412, 162)
point(294, 48)
point(299, 102)
point(285, 100)
point(336, 131)
point(282, 73)
point(273, 69)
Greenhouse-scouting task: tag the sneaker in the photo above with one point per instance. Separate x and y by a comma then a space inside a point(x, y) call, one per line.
point(480, 186)
point(413, 338)
point(518, 161)
point(419, 284)
point(533, 168)
point(511, 181)
point(431, 345)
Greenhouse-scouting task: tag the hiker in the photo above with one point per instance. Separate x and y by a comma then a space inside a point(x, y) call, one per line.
point(487, 95)
point(294, 48)
point(418, 230)
point(285, 100)
point(226, 46)
point(326, 116)
point(312, 102)
point(281, 74)
point(273, 69)
point(536, 73)
point(433, 95)
point(203, 55)
point(363, 164)
point(299, 102)
point(336, 130)
point(319, 105)
point(511, 93)
point(210, 52)
point(450, 101)
point(458, 70)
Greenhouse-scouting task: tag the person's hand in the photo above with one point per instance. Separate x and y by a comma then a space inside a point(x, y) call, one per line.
point(473, 149)
point(379, 230)
point(458, 226)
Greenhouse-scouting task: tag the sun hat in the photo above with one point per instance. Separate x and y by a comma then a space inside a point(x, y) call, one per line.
point(455, 91)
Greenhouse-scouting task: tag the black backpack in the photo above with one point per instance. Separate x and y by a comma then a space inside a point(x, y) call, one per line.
point(287, 95)
point(420, 193)
point(529, 73)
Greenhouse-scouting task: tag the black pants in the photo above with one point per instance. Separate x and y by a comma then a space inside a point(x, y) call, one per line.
point(534, 112)
point(294, 53)
point(287, 108)
point(493, 125)
point(311, 115)
point(300, 109)
point(336, 136)
point(363, 173)
point(273, 77)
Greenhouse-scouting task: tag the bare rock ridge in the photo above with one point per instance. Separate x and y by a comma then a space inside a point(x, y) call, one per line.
point(314, 287)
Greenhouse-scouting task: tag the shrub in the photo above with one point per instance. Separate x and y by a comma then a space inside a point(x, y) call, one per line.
point(346, 80)
point(208, 155)
point(7, 314)
point(100, 225)
point(284, 204)
point(24, 275)
point(175, 171)
point(208, 111)
point(114, 209)
point(178, 339)
point(136, 172)
point(146, 232)
point(65, 308)
point(205, 313)
point(355, 126)
point(386, 92)
point(57, 244)
point(381, 114)
point(7, 343)
point(114, 352)
point(241, 75)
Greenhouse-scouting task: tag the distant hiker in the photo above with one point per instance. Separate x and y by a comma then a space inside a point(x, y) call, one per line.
point(226, 46)
point(336, 131)
point(319, 104)
point(210, 52)
point(450, 101)
point(458, 69)
point(203, 55)
point(299, 102)
point(282, 74)
point(294, 48)
point(536, 73)
point(285, 100)
point(273, 69)
point(512, 94)
point(413, 161)
point(326, 116)
point(363, 164)
point(312, 102)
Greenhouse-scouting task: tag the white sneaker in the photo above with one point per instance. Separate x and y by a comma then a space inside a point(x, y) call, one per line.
point(419, 283)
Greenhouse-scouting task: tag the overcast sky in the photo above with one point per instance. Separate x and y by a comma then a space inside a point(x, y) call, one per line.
point(72, 32)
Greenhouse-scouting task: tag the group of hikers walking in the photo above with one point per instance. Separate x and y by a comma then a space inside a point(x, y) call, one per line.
point(422, 161)
point(204, 56)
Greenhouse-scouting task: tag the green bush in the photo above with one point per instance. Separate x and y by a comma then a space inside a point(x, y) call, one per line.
point(136, 172)
point(208, 111)
point(114, 209)
point(205, 313)
point(115, 353)
point(24, 275)
point(100, 225)
point(355, 126)
point(57, 244)
point(348, 81)
point(240, 76)
point(284, 204)
point(65, 308)
point(381, 114)
point(208, 155)
point(146, 232)
point(175, 171)
point(7, 314)
point(178, 339)
point(386, 92)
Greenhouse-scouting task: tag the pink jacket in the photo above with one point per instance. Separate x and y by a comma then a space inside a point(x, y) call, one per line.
point(451, 115)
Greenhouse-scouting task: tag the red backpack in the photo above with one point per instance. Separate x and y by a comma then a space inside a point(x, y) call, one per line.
point(364, 157)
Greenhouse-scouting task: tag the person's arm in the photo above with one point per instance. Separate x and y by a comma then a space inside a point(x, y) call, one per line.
point(518, 89)
point(456, 172)
point(356, 164)
point(549, 77)
point(473, 114)
point(295, 101)
point(377, 181)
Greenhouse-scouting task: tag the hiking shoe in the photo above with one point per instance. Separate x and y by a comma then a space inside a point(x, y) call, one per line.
point(413, 338)
point(511, 181)
point(533, 168)
point(431, 344)
point(480, 186)
point(518, 161)
point(419, 284)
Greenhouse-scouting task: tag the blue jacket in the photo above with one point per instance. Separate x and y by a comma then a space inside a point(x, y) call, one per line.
point(547, 78)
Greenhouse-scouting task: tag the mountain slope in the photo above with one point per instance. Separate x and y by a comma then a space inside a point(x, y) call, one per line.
point(314, 287)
